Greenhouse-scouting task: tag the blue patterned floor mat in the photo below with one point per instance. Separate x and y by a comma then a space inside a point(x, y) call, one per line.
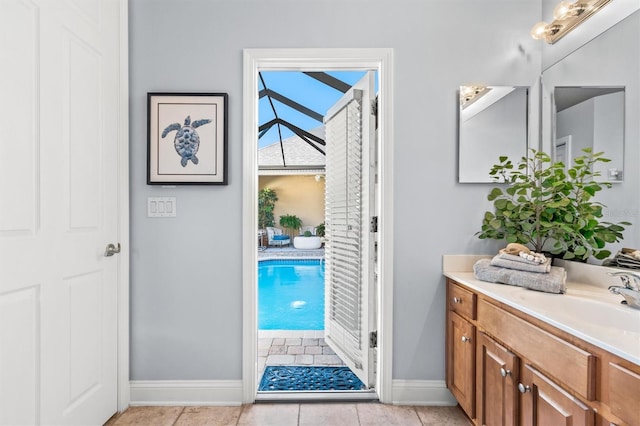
point(289, 378)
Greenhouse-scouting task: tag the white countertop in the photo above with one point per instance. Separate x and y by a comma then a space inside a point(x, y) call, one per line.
point(586, 311)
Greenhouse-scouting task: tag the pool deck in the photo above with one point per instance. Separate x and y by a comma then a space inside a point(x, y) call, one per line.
point(293, 347)
point(289, 251)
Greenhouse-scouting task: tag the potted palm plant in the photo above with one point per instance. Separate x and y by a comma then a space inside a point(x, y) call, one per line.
point(550, 208)
point(291, 223)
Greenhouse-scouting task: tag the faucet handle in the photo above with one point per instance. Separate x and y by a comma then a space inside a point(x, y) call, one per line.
point(626, 277)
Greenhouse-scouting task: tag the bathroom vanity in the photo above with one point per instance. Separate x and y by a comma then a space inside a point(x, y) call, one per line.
point(520, 357)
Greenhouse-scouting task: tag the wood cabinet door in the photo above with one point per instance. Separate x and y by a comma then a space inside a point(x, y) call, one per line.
point(496, 383)
point(624, 389)
point(543, 403)
point(461, 361)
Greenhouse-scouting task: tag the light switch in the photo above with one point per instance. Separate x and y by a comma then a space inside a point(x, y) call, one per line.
point(161, 207)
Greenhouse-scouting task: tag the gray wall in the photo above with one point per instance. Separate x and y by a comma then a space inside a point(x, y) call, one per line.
point(596, 123)
point(186, 290)
point(577, 121)
point(608, 131)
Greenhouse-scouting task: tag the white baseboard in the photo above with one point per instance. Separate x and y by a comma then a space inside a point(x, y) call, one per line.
point(186, 392)
point(422, 392)
point(229, 392)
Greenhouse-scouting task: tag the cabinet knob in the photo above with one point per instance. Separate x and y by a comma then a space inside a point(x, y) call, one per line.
point(505, 373)
point(457, 300)
point(523, 389)
point(466, 339)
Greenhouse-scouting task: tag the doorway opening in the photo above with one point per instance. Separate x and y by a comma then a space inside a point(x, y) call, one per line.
point(293, 147)
point(313, 60)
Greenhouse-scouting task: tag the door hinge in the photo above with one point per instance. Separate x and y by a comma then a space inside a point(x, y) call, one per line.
point(374, 224)
point(373, 339)
point(374, 110)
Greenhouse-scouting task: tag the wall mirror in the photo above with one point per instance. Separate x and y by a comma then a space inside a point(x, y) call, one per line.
point(590, 96)
point(607, 63)
point(492, 122)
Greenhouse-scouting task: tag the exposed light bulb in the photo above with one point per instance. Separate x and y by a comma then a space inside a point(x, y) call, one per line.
point(539, 30)
point(562, 10)
point(567, 15)
point(466, 91)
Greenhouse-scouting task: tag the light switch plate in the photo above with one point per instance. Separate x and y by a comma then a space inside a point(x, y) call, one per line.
point(161, 207)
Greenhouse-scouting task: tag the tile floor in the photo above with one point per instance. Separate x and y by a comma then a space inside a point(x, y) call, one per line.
point(285, 414)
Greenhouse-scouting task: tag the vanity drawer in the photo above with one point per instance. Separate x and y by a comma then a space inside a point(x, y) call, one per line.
point(461, 301)
point(624, 388)
point(563, 361)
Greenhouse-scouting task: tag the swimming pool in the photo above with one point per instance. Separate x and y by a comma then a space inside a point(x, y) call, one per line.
point(291, 294)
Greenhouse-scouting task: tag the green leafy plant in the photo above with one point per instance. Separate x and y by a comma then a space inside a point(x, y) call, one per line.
point(320, 230)
point(550, 209)
point(291, 223)
point(307, 233)
point(266, 204)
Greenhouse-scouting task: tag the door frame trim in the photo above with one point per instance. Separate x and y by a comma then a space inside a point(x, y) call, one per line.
point(255, 60)
point(123, 386)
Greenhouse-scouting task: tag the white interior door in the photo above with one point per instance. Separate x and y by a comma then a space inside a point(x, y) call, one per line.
point(58, 195)
point(562, 151)
point(349, 248)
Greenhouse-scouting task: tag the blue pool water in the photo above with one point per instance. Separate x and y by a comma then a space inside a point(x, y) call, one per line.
point(290, 295)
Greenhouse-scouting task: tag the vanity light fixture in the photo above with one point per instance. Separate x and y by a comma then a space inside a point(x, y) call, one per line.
point(567, 15)
point(470, 94)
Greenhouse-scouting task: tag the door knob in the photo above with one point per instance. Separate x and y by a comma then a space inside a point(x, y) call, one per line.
point(111, 250)
point(465, 339)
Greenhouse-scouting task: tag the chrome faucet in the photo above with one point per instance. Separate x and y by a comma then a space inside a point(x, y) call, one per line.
point(631, 289)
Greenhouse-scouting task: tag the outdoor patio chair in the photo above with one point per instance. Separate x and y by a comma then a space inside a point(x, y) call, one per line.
point(275, 237)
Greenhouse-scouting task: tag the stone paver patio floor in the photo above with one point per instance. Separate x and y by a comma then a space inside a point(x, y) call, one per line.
point(309, 351)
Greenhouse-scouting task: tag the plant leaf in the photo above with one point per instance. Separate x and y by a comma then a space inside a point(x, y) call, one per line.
point(495, 223)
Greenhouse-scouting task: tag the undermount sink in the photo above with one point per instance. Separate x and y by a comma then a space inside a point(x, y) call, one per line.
point(596, 309)
point(602, 314)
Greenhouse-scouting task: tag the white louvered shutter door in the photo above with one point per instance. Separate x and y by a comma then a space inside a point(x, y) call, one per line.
point(349, 269)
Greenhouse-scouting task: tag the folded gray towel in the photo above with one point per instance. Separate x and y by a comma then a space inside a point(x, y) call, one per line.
point(553, 282)
point(512, 261)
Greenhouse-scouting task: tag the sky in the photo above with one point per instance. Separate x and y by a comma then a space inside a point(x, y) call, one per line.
point(303, 89)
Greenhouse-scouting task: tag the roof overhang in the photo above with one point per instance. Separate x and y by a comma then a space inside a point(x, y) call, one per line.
point(274, 171)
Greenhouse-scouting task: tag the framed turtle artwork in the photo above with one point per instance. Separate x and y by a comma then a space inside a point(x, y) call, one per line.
point(187, 138)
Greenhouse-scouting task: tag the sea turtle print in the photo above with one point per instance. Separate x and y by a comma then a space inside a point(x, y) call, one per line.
point(187, 141)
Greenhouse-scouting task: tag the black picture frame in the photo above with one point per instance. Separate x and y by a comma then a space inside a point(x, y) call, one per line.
point(187, 138)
